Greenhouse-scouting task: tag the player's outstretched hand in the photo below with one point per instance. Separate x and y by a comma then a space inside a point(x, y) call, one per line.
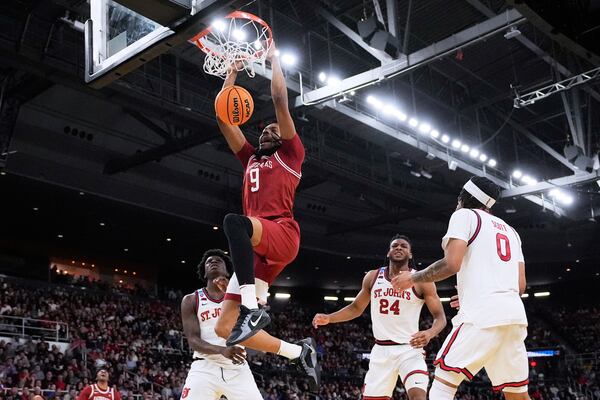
point(454, 303)
point(420, 339)
point(235, 353)
point(402, 281)
point(221, 283)
point(320, 319)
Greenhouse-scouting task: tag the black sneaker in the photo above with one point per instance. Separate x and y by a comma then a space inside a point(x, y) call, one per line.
point(248, 324)
point(307, 363)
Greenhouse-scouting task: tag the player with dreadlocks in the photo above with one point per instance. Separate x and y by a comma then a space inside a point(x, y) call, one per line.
point(218, 370)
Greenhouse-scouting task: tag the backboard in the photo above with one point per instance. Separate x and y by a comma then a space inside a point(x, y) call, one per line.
point(120, 36)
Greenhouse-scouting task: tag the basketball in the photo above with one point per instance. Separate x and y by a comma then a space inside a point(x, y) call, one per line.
point(234, 105)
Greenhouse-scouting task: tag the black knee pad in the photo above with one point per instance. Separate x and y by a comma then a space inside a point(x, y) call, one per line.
point(235, 223)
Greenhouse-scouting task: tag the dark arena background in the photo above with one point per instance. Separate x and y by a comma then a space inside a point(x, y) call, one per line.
point(114, 179)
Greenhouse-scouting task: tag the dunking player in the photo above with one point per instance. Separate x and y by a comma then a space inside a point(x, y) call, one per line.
point(395, 318)
point(217, 370)
point(100, 390)
point(490, 327)
point(266, 238)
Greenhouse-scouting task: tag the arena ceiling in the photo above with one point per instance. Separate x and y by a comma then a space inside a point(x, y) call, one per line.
point(149, 140)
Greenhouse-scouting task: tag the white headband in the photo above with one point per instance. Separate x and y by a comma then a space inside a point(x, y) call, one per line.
point(479, 194)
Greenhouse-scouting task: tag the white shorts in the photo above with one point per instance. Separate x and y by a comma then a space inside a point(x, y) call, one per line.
point(500, 350)
point(208, 381)
point(390, 362)
point(233, 290)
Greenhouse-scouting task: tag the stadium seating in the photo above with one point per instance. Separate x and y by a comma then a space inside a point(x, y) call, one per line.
point(138, 338)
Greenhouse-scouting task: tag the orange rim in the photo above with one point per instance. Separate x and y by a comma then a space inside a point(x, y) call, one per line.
point(235, 14)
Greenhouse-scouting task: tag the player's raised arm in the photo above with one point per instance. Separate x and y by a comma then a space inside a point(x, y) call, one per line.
point(352, 310)
point(233, 134)
point(434, 305)
point(279, 94)
point(191, 328)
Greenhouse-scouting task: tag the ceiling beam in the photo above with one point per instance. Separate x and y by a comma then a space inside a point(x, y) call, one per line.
point(149, 124)
point(117, 165)
point(551, 184)
point(482, 8)
point(416, 59)
point(355, 37)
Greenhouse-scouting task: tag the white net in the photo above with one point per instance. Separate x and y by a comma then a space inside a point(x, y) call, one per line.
point(241, 40)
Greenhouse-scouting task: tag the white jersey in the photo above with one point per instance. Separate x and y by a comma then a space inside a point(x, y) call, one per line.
point(208, 311)
point(488, 280)
point(394, 315)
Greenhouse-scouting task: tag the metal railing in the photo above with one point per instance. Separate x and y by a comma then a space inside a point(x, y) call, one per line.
point(20, 327)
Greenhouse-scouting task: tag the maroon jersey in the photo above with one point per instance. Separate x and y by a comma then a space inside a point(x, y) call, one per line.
point(93, 392)
point(270, 182)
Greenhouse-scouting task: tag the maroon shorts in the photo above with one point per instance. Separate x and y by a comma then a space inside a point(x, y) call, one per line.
point(278, 247)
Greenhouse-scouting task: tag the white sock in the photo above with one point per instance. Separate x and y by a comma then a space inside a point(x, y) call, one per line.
point(248, 293)
point(441, 391)
point(289, 350)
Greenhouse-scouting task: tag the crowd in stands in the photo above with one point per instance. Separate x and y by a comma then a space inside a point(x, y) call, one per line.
point(138, 339)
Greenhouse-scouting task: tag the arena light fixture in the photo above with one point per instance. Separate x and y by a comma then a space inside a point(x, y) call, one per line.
point(483, 157)
point(456, 143)
point(389, 110)
point(330, 298)
point(560, 196)
point(435, 133)
point(413, 122)
point(492, 163)
point(424, 128)
point(282, 295)
point(349, 299)
point(465, 148)
point(239, 35)
point(474, 153)
point(445, 138)
point(517, 174)
point(219, 25)
point(541, 294)
point(400, 115)
point(290, 59)
point(322, 76)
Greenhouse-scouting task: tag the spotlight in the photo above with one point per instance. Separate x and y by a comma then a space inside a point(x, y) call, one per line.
point(289, 59)
point(322, 76)
point(474, 153)
point(401, 116)
point(465, 148)
point(456, 143)
point(435, 133)
point(219, 25)
point(492, 163)
point(517, 174)
point(445, 138)
point(483, 158)
point(413, 122)
point(238, 35)
point(425, 128)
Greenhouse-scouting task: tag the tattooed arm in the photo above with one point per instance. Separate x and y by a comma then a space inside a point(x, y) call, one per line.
point(438, 271)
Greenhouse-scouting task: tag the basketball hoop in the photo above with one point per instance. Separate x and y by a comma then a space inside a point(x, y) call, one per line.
point(240, 39)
